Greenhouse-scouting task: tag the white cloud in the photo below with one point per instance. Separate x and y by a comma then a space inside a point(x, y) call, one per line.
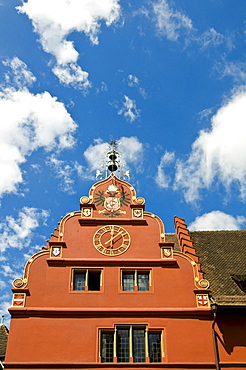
point(72, 74)
point(132, 80)
point(7, 270)
point(162, 179)
point(217, 154)
point(217, 220)
point(95, 155)
point(236, 70)
point(103, 87)
point(213, 38)
point(2, 284)
point(129, 109)
point(143, 93)
point(29, 122)
point(20, 75)
point(64, 171)
point(18, 233)
point(175, 24)
point(54, 20)
point(169, 22)
point(130, 148)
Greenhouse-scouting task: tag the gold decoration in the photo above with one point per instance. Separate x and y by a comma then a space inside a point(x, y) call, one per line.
point(84, 200)
point(204, 283)
point(140, 200)
point(18, 283)
point(112, 187)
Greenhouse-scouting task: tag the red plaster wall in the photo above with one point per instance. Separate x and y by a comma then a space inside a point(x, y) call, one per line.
point(58, 325)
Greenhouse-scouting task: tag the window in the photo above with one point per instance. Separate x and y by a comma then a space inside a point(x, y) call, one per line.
point(240, 280)
point(131, 344)
point(86, 280)
point(154, 346)
point(107, 346)
point(135, 280)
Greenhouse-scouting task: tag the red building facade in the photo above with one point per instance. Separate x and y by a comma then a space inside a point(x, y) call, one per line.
point(112, 290)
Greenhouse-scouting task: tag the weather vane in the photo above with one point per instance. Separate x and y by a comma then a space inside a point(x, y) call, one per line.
point(113, 162)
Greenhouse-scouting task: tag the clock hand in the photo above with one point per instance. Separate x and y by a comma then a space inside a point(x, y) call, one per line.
point(112, 235)
point(111, 239)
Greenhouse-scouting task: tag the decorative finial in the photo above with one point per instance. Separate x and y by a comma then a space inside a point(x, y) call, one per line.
point(113, 162)
point(2, 320)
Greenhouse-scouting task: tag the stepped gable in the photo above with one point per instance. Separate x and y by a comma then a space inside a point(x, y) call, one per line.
point(185, 242)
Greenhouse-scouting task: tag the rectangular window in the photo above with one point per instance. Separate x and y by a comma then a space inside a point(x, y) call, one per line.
point(135, 280)
point(128, 281)
point(143, 281)
point(107, 346)
point(154, 338)
point(79, 280)
point(86, 280)
point(123, 352)
point(94, 280)
point(139, 345)
point(131, 342)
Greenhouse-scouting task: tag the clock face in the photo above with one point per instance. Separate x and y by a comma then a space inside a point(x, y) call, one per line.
point(111, 240)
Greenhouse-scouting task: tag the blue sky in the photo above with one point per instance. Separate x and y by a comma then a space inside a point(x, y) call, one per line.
point(167, 79)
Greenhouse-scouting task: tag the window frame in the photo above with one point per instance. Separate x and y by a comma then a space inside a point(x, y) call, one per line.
point(131, 328)
point(86, 271)
point(135, 282)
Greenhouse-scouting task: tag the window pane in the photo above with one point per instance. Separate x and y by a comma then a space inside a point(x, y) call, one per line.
point(155, 346)
point(128, 281)
point(107, 347)
point(139, 345)
point(94, 280)
point(79, 281)
point(123, 345)
point(143, 281)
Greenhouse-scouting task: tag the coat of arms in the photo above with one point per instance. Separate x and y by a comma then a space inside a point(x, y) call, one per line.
point(56, 251)
point(202, 300)
point(112, 199)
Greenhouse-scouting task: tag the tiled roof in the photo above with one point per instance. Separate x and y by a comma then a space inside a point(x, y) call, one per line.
point(222, 255)
point(3, 341)
point(171, 238)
